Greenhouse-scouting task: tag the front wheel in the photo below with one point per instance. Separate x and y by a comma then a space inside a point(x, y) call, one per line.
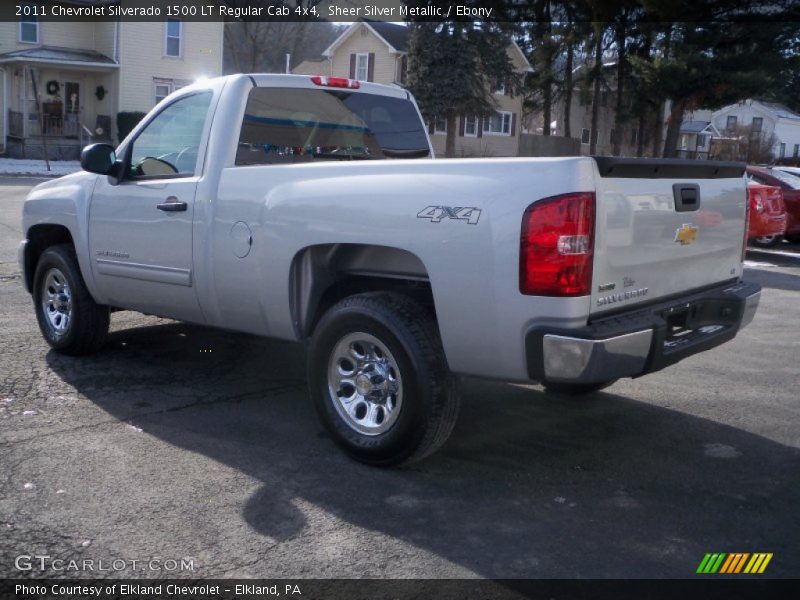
point(69, 318)
point(379, 380)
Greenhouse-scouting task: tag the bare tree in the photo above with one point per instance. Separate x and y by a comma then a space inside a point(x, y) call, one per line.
point(261, 46)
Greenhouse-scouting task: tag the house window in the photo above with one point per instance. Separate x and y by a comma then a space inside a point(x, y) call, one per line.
point(584, 136)
point(499, 88)
point(174, 29)
point(471, 126)
point(440, 125)
point(497, 124)
point(163, 89)
point(782, 153)
point(403, 66)
point(362, 66)
point(29, 28)
point(796, 152)
point(758, 122)
point(731, 123)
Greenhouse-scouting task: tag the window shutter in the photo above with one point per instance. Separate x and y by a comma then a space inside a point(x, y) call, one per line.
point(513, 123)
point(352, 66)
point(480, 126)
point(371, 67)
point(461, 121)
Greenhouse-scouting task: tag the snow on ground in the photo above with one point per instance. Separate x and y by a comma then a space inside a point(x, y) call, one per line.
point(13, 166)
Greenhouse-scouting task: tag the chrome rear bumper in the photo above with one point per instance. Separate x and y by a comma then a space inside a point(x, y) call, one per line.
point(642, 340)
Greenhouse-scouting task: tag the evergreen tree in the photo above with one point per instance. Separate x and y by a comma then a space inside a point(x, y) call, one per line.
point(452, 68)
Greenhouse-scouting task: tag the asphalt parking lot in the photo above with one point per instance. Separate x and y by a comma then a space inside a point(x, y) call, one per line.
point(179, 442)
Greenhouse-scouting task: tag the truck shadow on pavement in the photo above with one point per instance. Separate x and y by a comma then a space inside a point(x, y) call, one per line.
point(529, 485)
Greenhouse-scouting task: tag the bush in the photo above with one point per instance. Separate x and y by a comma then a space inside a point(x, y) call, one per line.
point(126, 121)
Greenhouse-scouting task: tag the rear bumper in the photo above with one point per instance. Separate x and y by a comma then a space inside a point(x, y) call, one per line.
point(641, 340)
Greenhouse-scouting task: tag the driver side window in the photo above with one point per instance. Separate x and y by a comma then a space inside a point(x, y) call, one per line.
point(168, 146)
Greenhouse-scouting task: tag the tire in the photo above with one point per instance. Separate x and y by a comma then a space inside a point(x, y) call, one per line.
point(401, 402)
point(69, 318)
point(577, 389)
point(766, 241)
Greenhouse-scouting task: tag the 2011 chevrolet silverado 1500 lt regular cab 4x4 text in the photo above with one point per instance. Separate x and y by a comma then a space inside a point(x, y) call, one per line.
point(261, 204)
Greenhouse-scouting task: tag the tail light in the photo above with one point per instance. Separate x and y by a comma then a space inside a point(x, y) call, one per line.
point(557, 245)
point(337, 82)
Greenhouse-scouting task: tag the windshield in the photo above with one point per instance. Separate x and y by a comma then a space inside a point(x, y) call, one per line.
point(290, 125)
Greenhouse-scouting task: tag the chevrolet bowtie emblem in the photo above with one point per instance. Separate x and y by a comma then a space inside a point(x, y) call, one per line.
point(686, 234)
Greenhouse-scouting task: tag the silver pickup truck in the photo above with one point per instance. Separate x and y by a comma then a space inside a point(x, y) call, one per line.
point(311, 209)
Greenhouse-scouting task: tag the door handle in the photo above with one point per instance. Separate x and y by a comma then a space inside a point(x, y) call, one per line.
point(172, 205)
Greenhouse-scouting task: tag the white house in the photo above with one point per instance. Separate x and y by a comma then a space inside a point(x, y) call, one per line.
point(87, 72)
point(767, 118)
point(378, 51)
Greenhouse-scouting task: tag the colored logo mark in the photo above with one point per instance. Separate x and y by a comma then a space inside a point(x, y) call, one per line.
point(735, 562)
point(686, 234)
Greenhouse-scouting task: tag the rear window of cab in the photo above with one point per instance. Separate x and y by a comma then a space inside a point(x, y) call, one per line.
point(294, 125)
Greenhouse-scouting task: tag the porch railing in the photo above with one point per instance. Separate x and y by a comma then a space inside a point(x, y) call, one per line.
point(53, 125)
point(15, 124)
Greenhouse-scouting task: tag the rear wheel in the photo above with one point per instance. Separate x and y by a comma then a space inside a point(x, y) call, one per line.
point(577, 389)
point(379, 380)
point(766, 241)
point(69, 318)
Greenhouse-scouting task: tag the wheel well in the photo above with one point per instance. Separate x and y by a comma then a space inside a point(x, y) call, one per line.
point(324, 274)
point(41, 237)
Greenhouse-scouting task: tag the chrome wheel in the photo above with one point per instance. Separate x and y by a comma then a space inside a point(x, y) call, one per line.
point(57, 301)
point(364, 383)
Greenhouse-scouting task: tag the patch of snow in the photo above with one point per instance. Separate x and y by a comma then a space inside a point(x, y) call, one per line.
point(28, 166)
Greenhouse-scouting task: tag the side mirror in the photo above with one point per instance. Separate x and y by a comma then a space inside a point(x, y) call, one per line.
point(99, 158)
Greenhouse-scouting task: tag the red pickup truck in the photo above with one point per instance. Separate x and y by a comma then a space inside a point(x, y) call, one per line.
point(767, 214)
point(790, 188)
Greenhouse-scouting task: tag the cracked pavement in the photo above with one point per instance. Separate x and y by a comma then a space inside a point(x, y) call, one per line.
point(158, 448)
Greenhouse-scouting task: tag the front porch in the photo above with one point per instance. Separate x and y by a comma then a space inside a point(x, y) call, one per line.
point(59, 100)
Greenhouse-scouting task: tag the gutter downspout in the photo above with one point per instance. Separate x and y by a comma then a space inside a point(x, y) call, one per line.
point(118, 85)
point(3, 141)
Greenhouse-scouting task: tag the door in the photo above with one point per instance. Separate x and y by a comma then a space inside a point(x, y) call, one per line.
point(140, 231)
point(72, 108)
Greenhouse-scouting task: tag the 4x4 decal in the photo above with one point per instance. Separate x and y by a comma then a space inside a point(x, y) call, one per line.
point(469, 214)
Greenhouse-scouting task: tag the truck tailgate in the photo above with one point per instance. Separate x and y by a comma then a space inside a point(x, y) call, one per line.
point(664, 227)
